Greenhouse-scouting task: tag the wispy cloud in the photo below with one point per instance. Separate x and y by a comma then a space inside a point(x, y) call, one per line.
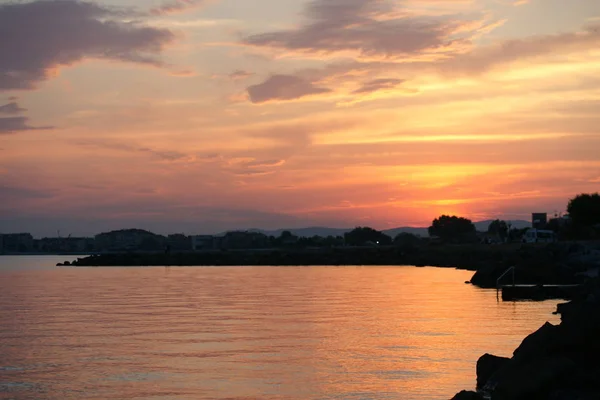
point(11, 108)
point(164, 155)
point(177, 6)
point(13, 123)
point(16, 124)
point(378, 84)
point(372, 30)
point(240, 74)
point(487, 57)
point(283, 87)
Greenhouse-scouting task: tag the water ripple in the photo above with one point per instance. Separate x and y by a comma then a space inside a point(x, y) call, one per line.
point(249, 333)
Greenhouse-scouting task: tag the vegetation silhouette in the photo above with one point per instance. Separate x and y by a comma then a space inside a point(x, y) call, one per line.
point(453, 229)
point(361, 236)
point(499, 228)
point(584, 210)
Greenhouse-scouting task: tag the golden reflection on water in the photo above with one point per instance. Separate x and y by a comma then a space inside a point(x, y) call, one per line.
point(250, 332)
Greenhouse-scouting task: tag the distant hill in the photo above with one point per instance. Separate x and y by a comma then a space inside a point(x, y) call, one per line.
point(306, 232)
point(415, 231)
point(419, 231)
point(482, 226)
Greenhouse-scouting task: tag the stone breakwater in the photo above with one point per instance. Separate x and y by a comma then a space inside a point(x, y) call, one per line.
point(556, 362)
point(546, 264)
point(443, 256)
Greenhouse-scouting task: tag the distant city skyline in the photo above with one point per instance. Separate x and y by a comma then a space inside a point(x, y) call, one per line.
point(204, 116)
point(191, 229)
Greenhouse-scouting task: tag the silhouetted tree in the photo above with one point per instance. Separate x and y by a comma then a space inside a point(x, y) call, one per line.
point(584, 209)
point(452, 228)
point(405, 238)
point(498, 227)
point(287, 238)
point(516, 234)
point(363, 235)
point(407, 242)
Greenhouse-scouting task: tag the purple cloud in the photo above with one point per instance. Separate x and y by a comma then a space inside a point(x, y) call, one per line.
point(16, 124)
point(39, 36)
point(240, 75)
point(378, 84)
point(370, 29)
point(283, 87)
point(11, 108)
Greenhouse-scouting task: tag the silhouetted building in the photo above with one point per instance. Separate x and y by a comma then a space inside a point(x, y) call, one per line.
point(539, 220)
point(205, 242)
point(179, 242)
point(16, 243)
point(65, 245)
point(245, 240)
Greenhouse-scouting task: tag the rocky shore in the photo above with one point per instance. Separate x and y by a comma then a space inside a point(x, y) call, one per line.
point(555, 263)
point(556, 362)
point(464, 257)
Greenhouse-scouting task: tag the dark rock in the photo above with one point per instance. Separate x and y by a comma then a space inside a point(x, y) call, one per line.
point(556, 362)
point(487, 365)
point(585, 379)
point(535, 379)
point(486, 276)
point(574, 395)
point(538, 344)
point(467, 395)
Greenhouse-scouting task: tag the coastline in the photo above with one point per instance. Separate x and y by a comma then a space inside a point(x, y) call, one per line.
point(556, 263)
point(556, 362)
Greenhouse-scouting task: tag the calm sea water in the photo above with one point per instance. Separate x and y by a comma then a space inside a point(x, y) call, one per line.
point(248, 332)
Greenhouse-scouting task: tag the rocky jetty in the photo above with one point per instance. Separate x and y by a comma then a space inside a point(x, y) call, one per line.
point(552, 264)
point(463, 257)
point(556, 362)
point(564, 263)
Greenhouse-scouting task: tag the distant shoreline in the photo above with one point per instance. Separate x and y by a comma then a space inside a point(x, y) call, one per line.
point(85, 254)
point(557, 263)
point(385, 255)
point(470, 257)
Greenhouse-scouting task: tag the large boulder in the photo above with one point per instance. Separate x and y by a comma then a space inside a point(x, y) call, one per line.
point(467, 395)
point(487, 275)
point(575, 395)
point(538, 344)
point(535, 379)
point(487, 365)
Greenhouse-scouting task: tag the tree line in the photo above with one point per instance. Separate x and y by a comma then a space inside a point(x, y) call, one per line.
point(582, 222)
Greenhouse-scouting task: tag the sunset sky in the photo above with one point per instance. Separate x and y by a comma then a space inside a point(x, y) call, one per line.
point(202, 116)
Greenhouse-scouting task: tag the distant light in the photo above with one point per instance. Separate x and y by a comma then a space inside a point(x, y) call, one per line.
point(377, 242)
